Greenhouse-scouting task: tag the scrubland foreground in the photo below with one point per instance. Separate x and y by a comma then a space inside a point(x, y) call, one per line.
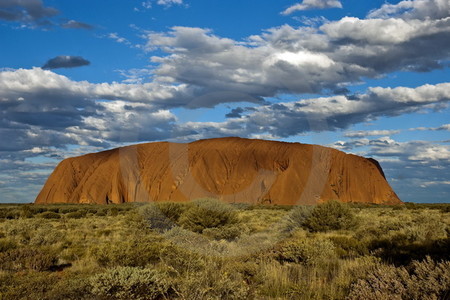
point(206, 249)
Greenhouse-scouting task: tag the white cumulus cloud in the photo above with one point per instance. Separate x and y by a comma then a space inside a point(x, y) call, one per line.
point(312, 4)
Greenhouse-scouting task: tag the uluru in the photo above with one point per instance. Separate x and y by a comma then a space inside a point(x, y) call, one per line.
point(230, 169)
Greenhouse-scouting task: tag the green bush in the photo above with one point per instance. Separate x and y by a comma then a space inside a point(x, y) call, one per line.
point(124, 283)
point(208, 213)
point(49, 215)
point(331, 215)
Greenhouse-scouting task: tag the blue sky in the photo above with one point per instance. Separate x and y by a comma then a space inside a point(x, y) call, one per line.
point(366, 77)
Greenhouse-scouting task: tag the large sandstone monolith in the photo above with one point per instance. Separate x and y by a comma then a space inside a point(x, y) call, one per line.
point(231, 169)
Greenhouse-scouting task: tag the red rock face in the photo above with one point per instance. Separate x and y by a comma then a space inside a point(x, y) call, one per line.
point(230, 169)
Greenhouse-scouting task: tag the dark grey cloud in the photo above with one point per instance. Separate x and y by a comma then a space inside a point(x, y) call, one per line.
point(27, 11)
point(235, 113)
point(341, 91)
point(72, 24)
point(34, 13)
point(66, 61)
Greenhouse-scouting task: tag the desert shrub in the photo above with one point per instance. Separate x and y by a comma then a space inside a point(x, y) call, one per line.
point(208, 213)
point(159, 219)
point(92, 211)
point(133, 253)
point(171, 210)
point(66, 210)
point(242, 206)
point(181, 259)
point(228, 233)
point(75, 287)
point(46, 235)
point(105, 232)
point(426, 227)
point(445, 208)
point(49, 215)
point(311, 251)
point(113, 211)
point(26, 212)
point(331, 215)
point(411, 205)
point(75, 215)
point(27, 259)
point(12, 214)
point(248, 270)
point(400, 250)
point(102, 212)
point(349, 247)
point(7, 244)
point(23, 229)
point(298, 217)
point(52, 209)
point(384, 282)
point(213, 283)
point(130, 283)
point(399, 207)
point(427, 279)
point(195, 242)
point(26, 286)
point(37, 210)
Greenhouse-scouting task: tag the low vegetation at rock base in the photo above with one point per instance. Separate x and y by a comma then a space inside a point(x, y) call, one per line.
point(206, 249)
